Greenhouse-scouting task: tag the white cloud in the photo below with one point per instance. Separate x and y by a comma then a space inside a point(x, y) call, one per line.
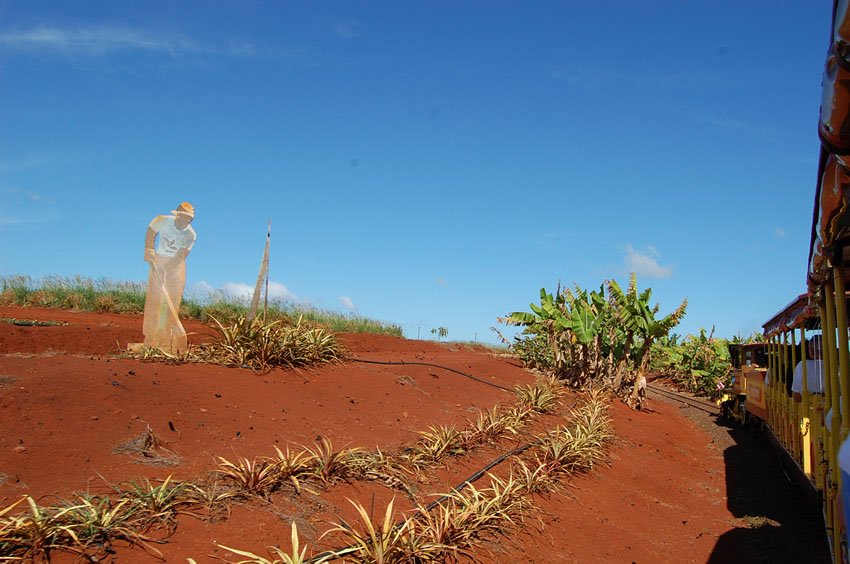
point(93, 41)
point(547, 239)
point(347, 303)
point(347, 29)
point(598, 79)
point(19, 206)
point(729, 124)
point(738, 125)
point(26, 163)
point(779, 232)
point(646, 263)
point(240, 291)
point(105, 40)
point(602, 78)
point(20, 194)
point(278, 291)
point(36, 197)
point(201, 290)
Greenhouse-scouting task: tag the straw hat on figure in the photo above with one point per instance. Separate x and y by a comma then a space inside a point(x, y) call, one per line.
point(168, 241)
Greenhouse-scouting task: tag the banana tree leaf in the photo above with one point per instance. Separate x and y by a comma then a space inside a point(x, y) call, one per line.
point(546, 298)
point(522, 318)
point(584, 324)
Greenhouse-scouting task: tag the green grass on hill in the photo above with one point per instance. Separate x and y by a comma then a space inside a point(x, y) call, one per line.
point(114, 296)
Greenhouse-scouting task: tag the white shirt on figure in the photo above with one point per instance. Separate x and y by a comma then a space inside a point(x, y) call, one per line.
point(171, 239)
point(814, 377)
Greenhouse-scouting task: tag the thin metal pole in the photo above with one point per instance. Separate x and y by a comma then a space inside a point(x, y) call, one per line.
point(268, 246)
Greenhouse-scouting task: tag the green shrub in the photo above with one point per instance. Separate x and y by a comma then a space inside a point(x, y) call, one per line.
point(699, 363)
point(534, 351)
point(594, 337)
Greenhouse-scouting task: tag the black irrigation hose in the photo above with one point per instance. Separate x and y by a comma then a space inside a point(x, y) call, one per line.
point(473, 478)
point(477, 475)
point(402, 363)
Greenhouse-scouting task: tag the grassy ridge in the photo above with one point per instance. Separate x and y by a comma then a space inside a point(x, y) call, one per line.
point(115, 296)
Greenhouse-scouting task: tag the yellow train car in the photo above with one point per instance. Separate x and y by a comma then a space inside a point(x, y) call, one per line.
point(793, 414)
point(810, 425)
point(749, 369)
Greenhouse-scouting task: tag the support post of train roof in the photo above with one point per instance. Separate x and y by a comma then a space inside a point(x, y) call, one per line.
point(843, 356)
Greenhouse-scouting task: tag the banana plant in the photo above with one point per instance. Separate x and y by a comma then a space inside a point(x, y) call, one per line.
point(588, 314)
point(698, 362)
point(551, 318)
point(649, 328)
point(597, 336)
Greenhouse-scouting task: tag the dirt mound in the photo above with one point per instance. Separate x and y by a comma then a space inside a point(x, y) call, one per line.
point(74, 416)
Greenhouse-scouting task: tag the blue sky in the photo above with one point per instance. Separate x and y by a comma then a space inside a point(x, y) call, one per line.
point(425, 163)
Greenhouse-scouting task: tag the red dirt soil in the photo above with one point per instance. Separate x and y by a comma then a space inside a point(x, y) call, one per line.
point(68, 397)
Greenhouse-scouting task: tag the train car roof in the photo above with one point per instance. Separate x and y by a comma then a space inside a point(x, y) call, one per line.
point(831, 213)
point(798, 311)
point(746, 345)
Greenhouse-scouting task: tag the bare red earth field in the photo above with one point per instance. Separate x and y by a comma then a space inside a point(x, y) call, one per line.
point(671, 490)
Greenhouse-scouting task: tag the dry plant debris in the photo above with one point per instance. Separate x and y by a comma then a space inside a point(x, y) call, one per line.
point(148, 449)
point(30, 322)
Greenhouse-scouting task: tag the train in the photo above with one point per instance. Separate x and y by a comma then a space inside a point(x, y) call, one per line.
point(811, 427)
point(745, 401)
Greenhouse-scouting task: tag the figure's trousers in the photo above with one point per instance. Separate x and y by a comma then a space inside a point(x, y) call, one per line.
point(162, 327)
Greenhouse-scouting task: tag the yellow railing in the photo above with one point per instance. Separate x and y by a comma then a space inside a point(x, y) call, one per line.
point(812, 430)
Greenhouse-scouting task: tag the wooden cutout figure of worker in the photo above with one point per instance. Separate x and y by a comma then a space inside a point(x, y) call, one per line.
point(168, 241)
